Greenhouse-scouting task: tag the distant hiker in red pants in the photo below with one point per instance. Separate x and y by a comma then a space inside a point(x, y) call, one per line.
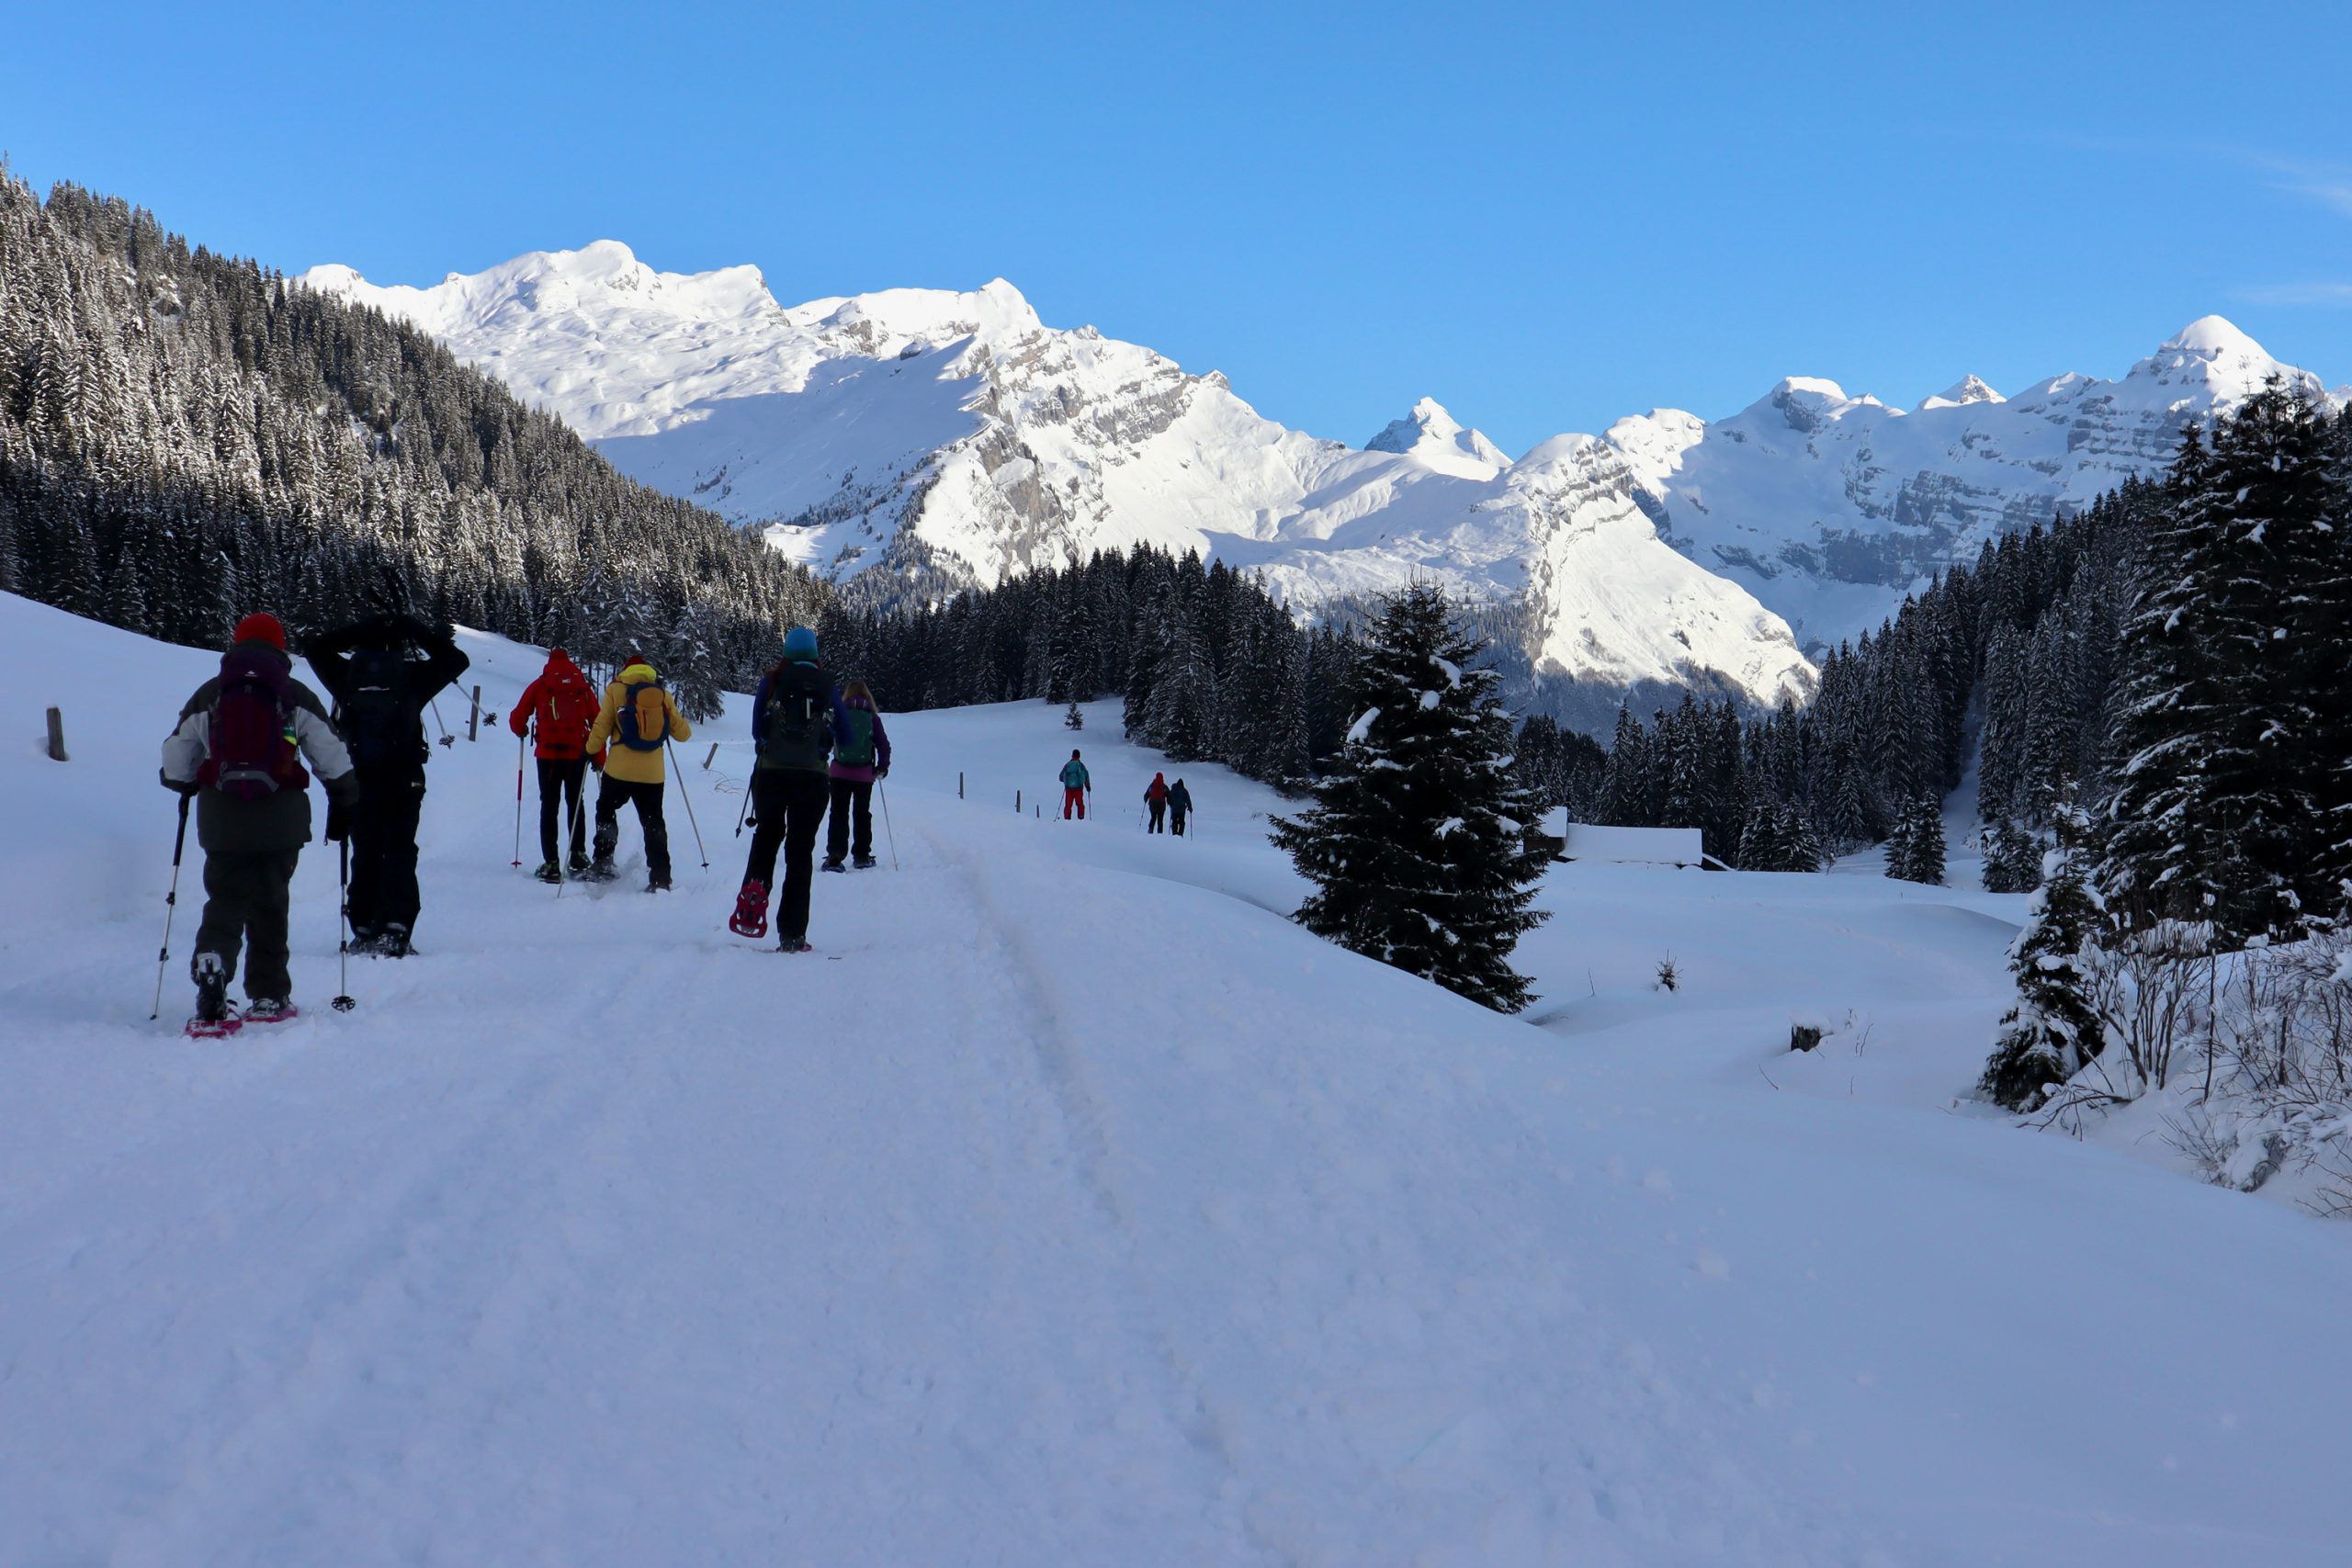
point(1076, 787)
point(1155, 797)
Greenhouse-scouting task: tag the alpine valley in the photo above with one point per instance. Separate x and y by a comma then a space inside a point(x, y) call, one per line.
point(913, 441)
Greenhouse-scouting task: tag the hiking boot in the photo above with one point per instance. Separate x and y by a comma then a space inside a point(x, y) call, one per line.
point(550, 872)
point(599, 869)
point(270, 1009)
point(393, 943)
point(751, 916)
point(658, 882)
point(578, 862)
point(862, 862)
point(832, 865)
point(793, 944)
point(211, 989)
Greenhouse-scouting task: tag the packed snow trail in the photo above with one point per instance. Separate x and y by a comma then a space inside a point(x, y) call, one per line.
point(1071, 1206)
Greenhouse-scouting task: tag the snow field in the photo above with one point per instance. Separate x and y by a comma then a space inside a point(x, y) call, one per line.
point(1072, 1206)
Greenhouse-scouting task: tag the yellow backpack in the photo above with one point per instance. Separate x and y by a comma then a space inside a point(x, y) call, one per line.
point(643, 722)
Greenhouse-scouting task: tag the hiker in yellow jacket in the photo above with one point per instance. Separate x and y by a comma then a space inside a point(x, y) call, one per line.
point(638, 721)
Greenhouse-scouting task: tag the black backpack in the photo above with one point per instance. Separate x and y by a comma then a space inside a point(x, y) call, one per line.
point(373, 713)
point(796, 725)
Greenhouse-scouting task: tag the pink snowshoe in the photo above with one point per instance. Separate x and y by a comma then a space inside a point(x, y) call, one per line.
point(751, 916)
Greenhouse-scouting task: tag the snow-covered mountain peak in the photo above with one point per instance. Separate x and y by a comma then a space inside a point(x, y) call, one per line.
point(1804, 404)
point(1437, 438)
point(2211, 356)
point(1960, 394)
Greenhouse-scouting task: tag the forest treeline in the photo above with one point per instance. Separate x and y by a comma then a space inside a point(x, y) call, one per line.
point(185, 436)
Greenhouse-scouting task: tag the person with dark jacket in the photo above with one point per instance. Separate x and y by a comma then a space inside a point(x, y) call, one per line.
point(1155, 795)
point(861, 755)
point(1180, 806)
point(796, 715)
point(557, 710)
point(381, 694)
point(239, 749)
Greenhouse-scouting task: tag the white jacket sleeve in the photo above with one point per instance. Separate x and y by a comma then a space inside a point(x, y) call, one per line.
point(186, 748)
point(321, 747)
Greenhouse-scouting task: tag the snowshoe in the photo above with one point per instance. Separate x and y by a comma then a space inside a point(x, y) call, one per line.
point(864, 863)
point(548, 871)
point(658, 882)
point(599, 869)
point(394, 942)
point(832, 865)
point(271, 1009)
point(793, 944)
point(751, 916)
point(215, 1019)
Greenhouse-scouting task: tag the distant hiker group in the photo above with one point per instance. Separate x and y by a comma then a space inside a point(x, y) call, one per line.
point(238, 754)
point(1167, 803)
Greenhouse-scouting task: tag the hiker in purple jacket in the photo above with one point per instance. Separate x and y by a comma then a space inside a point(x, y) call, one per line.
point(861, 755)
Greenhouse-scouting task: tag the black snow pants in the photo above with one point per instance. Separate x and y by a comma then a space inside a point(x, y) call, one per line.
point(852, 806)
point(244, 903)
point(791, 806)
point(647, 797)
point(559, 782)
point(383, 852)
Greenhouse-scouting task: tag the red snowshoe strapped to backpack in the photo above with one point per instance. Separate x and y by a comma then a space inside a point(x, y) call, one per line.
point(253, 752)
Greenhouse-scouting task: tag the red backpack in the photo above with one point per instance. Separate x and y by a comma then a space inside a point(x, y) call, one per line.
point(252, 749)
point(567, 712)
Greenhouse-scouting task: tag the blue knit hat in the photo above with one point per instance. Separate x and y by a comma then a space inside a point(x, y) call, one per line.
point(799, 644)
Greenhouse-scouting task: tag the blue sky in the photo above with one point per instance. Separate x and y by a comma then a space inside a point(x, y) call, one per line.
point(1545, 217)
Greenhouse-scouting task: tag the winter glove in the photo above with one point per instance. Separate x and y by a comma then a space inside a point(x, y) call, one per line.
point(177, 786)
point(338, 821)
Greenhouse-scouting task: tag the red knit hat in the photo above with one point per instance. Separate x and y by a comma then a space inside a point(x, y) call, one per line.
point(261, 627)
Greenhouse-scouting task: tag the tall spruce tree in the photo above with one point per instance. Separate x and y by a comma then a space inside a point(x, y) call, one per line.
point(1418, 845)
point(2046, 1037)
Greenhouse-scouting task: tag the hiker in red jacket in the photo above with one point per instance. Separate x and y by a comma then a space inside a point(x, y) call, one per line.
point(559, 706)
point(1155, 797)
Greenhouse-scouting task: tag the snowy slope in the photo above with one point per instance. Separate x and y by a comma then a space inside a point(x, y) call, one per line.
point(957, 433)
point(1829, 507)
point(1078, 1208)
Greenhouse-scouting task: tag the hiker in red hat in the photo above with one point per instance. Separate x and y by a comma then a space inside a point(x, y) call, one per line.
point(558, 710)
point(238, 750)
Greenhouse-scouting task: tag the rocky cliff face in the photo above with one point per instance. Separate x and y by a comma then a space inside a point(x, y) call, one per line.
point(1829, 507)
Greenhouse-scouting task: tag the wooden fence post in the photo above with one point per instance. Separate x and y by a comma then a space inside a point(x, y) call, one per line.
point(1016, 803)
point(56, 735)
point(473, 723)
point(712, 757)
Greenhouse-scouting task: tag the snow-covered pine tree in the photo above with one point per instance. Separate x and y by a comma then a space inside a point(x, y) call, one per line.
point(1914, 851)
point(2012, 858)
point(1073, 718)
point(2052, 1029)
point(1418, 843)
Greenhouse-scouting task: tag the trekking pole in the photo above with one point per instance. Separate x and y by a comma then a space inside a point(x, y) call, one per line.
point(343, 1002)
point(745, 809)
point(447, 739)
point(577, 821)
point(688, 795)
point(171, 907)
point(889, 831)
point(519, 744)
